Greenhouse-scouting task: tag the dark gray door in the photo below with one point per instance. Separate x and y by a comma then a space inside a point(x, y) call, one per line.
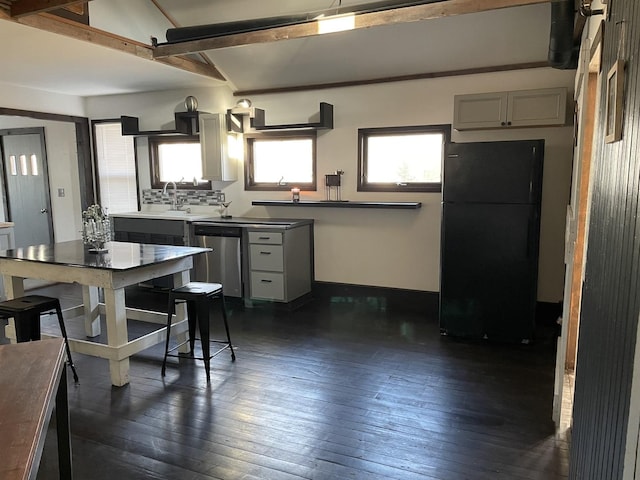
point(27, 185)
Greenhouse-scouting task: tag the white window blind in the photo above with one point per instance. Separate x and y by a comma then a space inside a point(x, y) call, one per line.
point(116, 167)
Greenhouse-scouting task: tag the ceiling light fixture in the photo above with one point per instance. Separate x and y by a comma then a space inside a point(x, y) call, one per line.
point(336, 23)
point(243, 107)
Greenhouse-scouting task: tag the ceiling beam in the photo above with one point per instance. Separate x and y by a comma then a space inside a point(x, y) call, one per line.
point(21, 8)
point(414, 13)
point(175, 23)
point(69, 28)
point(397, 78)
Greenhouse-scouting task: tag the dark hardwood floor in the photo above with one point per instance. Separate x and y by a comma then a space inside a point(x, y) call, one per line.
point(339, 389)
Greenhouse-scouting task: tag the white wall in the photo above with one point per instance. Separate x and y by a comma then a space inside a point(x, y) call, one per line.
point(61, 150)
point(155, 109)
point(401, 248)
point(13, 96)
point(390, 248)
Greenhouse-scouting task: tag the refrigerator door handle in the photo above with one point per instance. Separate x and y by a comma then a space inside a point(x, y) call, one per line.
point(530, 228)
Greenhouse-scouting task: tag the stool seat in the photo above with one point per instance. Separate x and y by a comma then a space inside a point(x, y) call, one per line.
point(23, 304)
point(26, 313)
point(199, 297)
point(197, 288)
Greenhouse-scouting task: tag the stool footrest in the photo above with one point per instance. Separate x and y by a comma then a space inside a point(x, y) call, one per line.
point(191, 356)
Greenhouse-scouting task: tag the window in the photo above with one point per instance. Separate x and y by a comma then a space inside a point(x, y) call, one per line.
point(400, 159)
point(116, 175)
point(177, 159)
point(280, 161)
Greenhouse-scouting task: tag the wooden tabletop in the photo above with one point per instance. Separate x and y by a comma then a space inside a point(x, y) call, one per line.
point(29, 377)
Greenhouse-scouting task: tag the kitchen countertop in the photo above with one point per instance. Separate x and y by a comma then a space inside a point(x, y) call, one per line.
point(249, 222)
point(164, 215)
point(216, 220)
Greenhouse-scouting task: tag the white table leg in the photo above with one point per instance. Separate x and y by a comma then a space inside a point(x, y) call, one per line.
point(179, 279)
point(91, 311)
point(13, 288)
point(117, 333)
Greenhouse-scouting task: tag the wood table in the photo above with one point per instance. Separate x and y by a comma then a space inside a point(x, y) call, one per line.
point(123, 265)
point(32, 376)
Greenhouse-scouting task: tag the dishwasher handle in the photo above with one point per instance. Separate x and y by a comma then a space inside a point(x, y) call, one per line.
point(204, 230)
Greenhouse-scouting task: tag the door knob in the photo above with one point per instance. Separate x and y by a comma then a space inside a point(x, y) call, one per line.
point(43, 210)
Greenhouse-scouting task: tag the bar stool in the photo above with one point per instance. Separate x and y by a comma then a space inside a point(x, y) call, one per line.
point(199, 297)
point(26, 313)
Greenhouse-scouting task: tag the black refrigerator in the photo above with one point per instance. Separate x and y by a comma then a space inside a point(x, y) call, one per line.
point(490, 238)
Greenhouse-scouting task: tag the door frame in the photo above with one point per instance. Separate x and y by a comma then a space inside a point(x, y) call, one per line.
point(7, 132)
point(83, 148)
point(577, 230)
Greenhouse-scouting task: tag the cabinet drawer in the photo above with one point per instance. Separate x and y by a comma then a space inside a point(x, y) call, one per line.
point(273, 238)
point(268, 286)
point(266, 257)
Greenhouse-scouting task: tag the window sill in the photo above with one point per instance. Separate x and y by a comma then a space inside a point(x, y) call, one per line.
point(337, 204)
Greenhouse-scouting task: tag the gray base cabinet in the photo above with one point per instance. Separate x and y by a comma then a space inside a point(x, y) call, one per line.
point(280, 263)
point(151, 231)
point(146, 230)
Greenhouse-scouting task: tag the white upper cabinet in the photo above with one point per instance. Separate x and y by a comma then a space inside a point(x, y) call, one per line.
point(219, 162)
point(524, 108)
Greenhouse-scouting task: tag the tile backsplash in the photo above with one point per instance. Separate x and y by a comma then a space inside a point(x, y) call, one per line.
point(184, 197)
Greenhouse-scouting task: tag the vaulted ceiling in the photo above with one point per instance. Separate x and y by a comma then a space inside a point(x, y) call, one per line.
point(115, 53)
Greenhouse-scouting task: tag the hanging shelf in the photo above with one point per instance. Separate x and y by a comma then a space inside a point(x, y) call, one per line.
point(186, 123)
point(257, 120)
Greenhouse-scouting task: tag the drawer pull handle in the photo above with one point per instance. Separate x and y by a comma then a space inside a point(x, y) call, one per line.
point(266, 281)
point(265, 253)
point(263, 238)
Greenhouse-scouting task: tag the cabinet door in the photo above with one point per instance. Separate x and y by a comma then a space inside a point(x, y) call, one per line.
point(484, 110)
point(217, 163)
point(537, 107)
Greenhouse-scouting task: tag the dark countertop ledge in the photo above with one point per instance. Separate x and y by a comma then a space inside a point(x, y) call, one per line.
point(337, 204)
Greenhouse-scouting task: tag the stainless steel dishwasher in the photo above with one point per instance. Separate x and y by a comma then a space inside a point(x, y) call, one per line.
point(224, 264)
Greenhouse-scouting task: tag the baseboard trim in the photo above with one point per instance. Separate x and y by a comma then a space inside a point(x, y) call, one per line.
point(391, 299)
point(412, 301)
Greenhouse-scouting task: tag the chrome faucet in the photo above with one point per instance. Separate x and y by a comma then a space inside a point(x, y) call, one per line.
point(174, 198)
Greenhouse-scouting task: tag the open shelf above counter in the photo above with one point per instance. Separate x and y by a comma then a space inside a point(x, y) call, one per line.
point(186, 123)
point(338, 204)
point(257, 120)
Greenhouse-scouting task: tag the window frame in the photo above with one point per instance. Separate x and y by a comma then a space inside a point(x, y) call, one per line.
point(96, 172)
point(365, 133)
point(249, 138)
point(154, 164)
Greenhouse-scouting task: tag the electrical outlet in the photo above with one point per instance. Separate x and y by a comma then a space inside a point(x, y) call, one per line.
point(61, 192)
